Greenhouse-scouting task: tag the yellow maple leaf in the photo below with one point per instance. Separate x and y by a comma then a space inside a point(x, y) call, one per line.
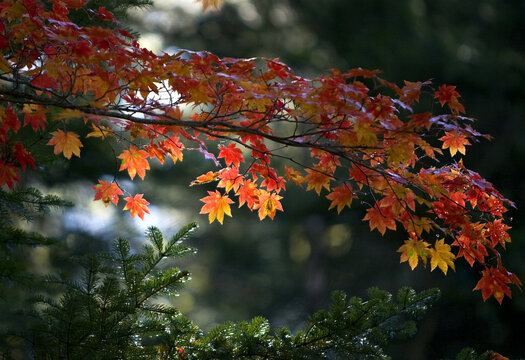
point(441, 256)
point(67, 114)
point(66, 143)
point(414, 250)
point(100, 131)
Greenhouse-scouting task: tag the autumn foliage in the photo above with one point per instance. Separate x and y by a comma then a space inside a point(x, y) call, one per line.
point(367, 138)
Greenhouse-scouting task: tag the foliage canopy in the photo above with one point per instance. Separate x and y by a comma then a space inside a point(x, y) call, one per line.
point(367, 138)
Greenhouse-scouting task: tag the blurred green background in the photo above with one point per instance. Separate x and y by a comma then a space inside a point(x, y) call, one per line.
point(285, 269)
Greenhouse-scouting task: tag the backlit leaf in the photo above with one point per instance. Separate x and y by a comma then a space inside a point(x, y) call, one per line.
point(66, 143)
point(135, 161)
point(377, 220)
point(340, 196)
point(454, 141)
point(441, 256)
point(414, 250)
point(137, 206)
point(216, 205)
point(107, 192)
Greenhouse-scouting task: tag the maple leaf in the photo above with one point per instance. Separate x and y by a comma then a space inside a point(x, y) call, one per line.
point(137, 205)
point(34, 115)
point(340, 196)
point(173, 147)
point(67, 114)
point(268, 204)
point(358, 175)
point(8, 174)
point(249, 194)
point(231, 155)
point(23, 157)
point(66, 143)
point(455, 142)
point(412, 251)
point(9, 120)
point(135, 161)
point(494, 282)
point(206, 178)
point(317, 180)
point(43, 81)
point(156, 152)
point(498, 232)
point(441, 256)
point(294, 175)
point(107, 192)
point(100, 131)
point(230, 179)
point(378, 220)
point(216, 205)
point(446, 93)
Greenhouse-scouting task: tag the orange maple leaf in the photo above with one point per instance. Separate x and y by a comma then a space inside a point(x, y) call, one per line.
point(66, 143)
point(294, 175)
point(135, 161)
point(230, 179)
point(268, 204)
point(412, 251)
point(317, 180)
point(205, 178)
point(455, 142)
point(378, 220)
point(494, 283)
point(249, 194)
point(441, 256)
point(216, 205)
point(107, 192)
point(341, 196)
point(137, 206)
point(231, 154)
point(156, 152)
point(173, 147)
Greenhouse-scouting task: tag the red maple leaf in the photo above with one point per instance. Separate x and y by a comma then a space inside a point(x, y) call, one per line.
point(494, 283)
point(231, 154)
point(446, 93)
point(34, 115)
point(8, 174)
point(137, 206)
point(107, 192)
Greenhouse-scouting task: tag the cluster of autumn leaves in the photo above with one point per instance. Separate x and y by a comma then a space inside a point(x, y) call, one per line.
point(363, 135)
